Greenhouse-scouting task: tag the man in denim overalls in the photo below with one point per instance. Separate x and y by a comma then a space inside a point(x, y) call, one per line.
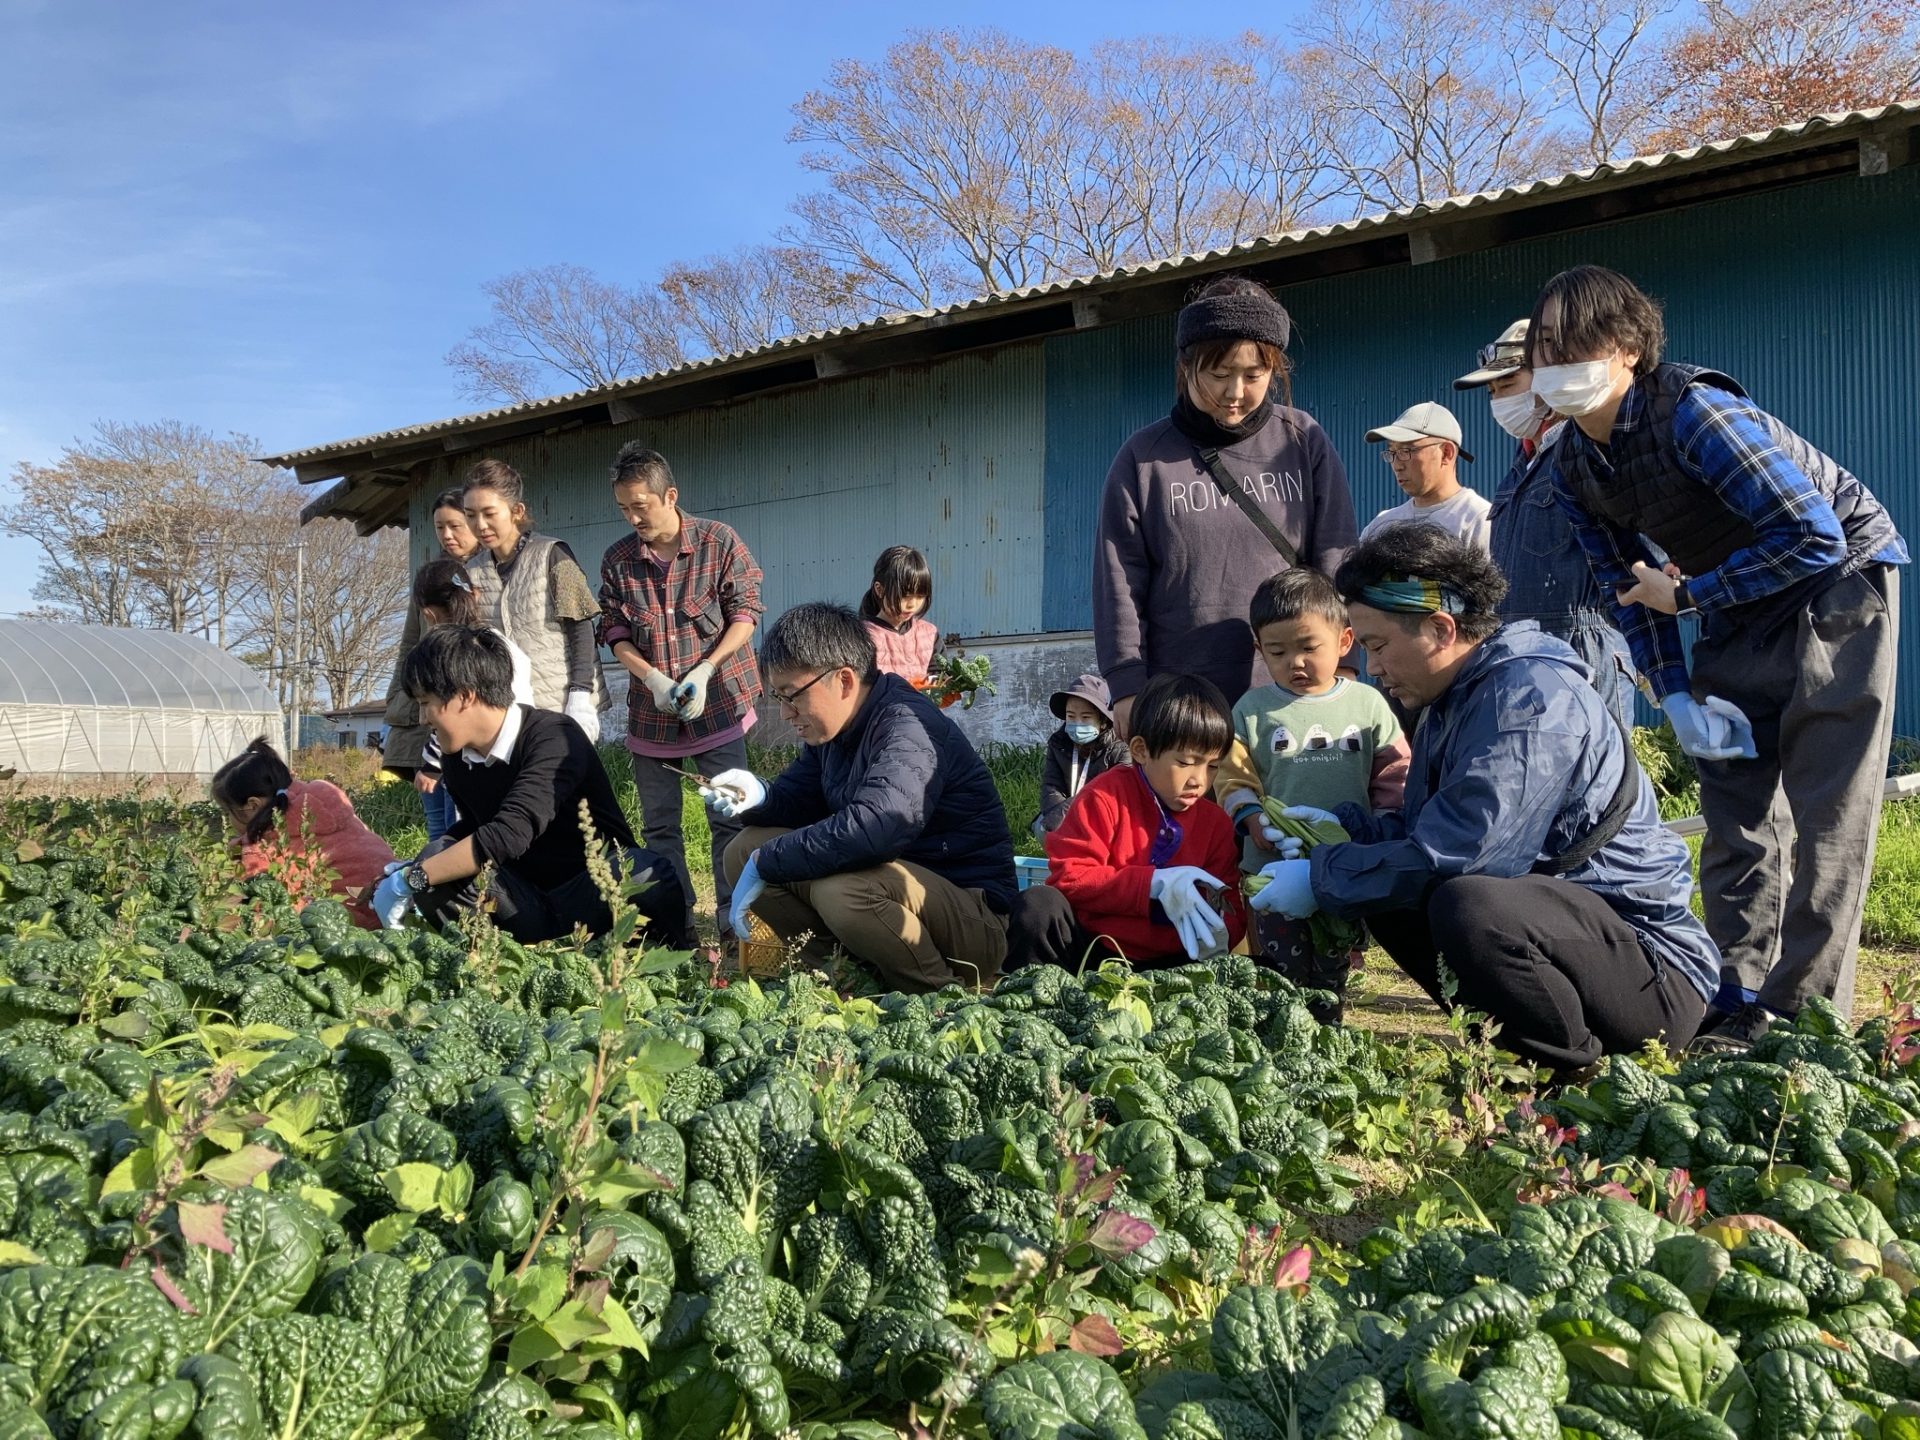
point(1548, 578)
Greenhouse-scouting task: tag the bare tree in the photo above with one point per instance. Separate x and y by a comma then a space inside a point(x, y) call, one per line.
point(753, 297)
point(356, 595)
point(559, 324)
point(1423, 99)
point(1761, 63)
point(1608, 66)
point(953, 124)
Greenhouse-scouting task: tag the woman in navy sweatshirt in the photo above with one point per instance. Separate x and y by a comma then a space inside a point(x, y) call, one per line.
point(1175, 557)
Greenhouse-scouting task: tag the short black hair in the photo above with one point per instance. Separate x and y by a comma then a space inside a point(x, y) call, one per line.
point(1182, 712)
point(1601, 310)
point(640, 464)
point(452, 498)
point(901, 572)
point(819, 636)
point(1425, 552)
point(1293, 593)
point(455, 660)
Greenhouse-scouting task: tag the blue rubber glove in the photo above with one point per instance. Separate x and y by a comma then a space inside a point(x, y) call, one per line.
point(1706, 732)
point(747, 889)
point(1288, 891)
point(392, 899)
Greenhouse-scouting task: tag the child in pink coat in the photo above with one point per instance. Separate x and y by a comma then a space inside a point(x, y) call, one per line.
point(256, 790)
point(893, 609)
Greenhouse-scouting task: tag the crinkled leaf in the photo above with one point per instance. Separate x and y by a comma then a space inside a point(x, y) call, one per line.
point(1059, 1396)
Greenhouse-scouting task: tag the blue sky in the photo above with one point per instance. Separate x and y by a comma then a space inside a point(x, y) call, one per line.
point(275, 219)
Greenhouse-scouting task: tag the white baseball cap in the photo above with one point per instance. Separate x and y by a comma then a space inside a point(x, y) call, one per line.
point(1429, 420)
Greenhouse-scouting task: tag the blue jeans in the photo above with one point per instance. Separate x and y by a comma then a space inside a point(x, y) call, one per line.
point(440, 811)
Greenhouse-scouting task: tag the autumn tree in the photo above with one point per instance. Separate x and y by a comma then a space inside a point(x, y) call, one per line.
point(1754, 64)
point(558, 324)
point(1611, 77)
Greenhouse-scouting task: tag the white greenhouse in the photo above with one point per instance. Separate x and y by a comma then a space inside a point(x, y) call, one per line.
point(95, 700)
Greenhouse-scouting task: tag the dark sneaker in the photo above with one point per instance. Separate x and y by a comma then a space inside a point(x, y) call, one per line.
point(1733, 1031)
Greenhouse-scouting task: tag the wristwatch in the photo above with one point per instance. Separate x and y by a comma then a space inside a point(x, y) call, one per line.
point(1683, 600)
point(416, 875)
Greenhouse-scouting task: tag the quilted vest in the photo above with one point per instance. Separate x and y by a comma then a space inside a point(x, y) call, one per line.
point(522, 610)
point(1650, 494)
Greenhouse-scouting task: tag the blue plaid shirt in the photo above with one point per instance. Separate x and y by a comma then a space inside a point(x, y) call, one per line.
point(1722, 441)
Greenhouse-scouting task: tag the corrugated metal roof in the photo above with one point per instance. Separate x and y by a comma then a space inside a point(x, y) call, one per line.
point(1705, 156)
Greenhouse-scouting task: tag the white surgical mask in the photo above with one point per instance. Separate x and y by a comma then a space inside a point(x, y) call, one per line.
point(1578, 389)
point(1083, 733)
point(1518, 414)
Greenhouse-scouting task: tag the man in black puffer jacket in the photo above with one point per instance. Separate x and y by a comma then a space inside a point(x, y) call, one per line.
point(886, 837)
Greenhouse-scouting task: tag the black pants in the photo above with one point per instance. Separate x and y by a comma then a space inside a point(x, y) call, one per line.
point(530, 914)
point(1566, 978)
point(1042, 930)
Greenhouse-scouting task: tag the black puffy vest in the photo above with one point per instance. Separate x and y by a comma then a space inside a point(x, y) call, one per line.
point(1650, 494)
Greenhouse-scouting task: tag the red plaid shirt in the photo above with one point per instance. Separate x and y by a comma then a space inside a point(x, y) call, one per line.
point(674, 615)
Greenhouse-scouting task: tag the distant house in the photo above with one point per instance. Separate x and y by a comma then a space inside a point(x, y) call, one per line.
point(982, 432)
point(357, 727)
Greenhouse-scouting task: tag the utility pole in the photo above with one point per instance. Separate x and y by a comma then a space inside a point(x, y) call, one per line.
point(299, 645)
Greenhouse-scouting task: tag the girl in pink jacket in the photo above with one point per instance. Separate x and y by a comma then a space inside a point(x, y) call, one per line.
point(261, 797)
point(894, 607)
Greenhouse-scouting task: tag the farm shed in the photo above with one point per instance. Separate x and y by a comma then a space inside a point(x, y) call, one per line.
point(97, 700)
point(982, 432)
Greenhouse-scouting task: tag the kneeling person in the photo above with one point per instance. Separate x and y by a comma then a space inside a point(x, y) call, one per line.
point(1144, 853)
point(886, 837)
point(518, 776)
point(1527, 858)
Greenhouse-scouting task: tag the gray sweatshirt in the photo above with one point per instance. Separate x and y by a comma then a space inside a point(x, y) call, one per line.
point(1175, 562)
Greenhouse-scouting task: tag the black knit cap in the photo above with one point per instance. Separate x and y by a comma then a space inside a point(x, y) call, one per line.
point(1233, 317)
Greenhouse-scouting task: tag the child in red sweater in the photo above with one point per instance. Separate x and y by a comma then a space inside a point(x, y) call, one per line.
point(1145, 866)
point(256, 789)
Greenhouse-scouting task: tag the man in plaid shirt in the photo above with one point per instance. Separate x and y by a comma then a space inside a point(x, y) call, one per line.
point(1789, 563)
point(679, 599)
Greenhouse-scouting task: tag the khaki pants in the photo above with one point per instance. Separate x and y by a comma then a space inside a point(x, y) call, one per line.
point(918, 930)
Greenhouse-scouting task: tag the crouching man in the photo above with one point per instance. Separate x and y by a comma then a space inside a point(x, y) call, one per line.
point(518, 776)
point(886, 838)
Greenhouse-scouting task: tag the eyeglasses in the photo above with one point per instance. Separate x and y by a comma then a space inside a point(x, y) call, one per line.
point(789, 700)
point(1394, 454)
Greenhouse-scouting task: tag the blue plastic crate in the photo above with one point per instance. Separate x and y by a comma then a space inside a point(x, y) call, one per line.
point(1030, 870)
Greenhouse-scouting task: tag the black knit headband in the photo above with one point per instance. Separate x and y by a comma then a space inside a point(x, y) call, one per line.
point(1233, 317)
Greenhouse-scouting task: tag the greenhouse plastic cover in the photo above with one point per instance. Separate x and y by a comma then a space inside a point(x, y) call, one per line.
point(90, 699)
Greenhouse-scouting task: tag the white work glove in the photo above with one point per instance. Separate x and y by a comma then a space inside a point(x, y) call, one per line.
point(732, 793)
point(747, 889)
point(660, 686)
point(1292, 847)
point(1199, 925)
point(392, 897)
point(580, 709)
point(1288, 891)
point(690, 695)
point(1739, 728)
point(1706, 732)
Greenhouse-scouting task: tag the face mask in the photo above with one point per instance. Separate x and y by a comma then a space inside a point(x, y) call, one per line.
point(1518, 415)
point(1083, 734)
point(1574, 389)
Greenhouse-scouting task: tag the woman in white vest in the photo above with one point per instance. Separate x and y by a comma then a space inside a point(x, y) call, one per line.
point(534, 592)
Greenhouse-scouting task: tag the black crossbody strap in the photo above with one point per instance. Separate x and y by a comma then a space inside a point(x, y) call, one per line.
point(1230, 488)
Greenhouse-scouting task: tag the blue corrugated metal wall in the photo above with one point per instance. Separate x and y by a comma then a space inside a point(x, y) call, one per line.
point(1810, 296)
point(819, 481)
